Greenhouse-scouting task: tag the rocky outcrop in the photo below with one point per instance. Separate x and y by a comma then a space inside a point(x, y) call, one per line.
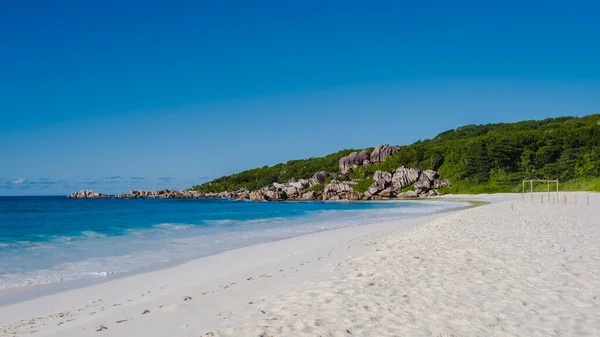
point(339, 186)
point(318, 178)
point(300, 184)
point(411, 194)
point(353, 160)
point(405, 176)
point(381, 152)
point(159, 194)
point(388, 185)
point(422, 186)
point(257, 196)
point(425, 182)
point(336, 189)
point(385, 184)
point(430, 175)
point(381, 181)
point(311, 195)
point(387, 193)
point(363, 157)
point(88, 194)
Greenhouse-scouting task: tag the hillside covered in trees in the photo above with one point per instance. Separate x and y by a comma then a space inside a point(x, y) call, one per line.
point(476, 158)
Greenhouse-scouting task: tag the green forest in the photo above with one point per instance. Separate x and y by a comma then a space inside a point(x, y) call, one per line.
point(476, 158)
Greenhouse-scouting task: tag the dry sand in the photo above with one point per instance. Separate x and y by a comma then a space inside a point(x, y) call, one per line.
point(510, 268)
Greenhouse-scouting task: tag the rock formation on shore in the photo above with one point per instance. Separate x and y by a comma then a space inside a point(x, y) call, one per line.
point(88, 194)
point(135, 194)
point(321, 186)
point(363, 157)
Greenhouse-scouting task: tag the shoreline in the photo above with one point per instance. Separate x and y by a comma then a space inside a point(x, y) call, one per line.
point(14, 295)
point(507, 267)
point(153, 280)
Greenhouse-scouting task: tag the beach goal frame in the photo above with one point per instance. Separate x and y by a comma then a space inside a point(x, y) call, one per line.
point(531, 181)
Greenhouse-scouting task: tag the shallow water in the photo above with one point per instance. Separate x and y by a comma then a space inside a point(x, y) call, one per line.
point(53, 239)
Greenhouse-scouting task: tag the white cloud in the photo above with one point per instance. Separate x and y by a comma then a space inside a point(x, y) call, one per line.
point(18, 181)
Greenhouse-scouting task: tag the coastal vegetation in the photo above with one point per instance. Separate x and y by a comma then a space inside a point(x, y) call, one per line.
point(476, 158)
point(363, 185)
point(281, 173)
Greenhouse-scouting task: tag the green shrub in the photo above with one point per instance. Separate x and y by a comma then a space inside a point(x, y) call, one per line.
point(408, 188)
point(363, 185)
point(317, 187)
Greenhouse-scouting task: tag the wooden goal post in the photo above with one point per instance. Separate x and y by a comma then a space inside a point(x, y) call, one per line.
point(531, 181)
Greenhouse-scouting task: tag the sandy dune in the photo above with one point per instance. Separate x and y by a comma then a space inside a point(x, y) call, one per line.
point(509, 268)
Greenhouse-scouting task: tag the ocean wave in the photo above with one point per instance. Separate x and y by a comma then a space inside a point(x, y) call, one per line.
point(91, 254)
point(231, 222)
point(21, 244)
point(44, 277)
point(84, 235)
point(173, 226)
point(91, 235)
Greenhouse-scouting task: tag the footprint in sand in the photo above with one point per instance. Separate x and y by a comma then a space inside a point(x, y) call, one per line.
point(101, 327)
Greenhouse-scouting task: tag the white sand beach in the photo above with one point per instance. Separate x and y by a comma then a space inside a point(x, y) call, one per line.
point(509, 268)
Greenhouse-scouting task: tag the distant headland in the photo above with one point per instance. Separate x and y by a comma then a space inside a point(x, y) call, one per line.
point(321, 186)
point(487, 158)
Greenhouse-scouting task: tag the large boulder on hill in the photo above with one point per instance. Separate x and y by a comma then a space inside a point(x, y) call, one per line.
point(279, 186)
point(292, 192)
point(353, 160)
point(275, 195)
point(336, 190)
point(386, 193)
point(429, 175)
point(422, 186)
point(362, 158)
point(381, 152)
point(318, 178)
point(405, 176)
point(243, 195)
point(376, 187)
point(383, 175)
point(310, 195)
point(338, 187)
point(257, 196)
point(381, 181)
point(300, 184)
point(411, 194)
point(426, 182)
point(353, 196)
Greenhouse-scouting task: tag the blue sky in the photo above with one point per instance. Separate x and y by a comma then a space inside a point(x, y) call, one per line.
point(118, 95)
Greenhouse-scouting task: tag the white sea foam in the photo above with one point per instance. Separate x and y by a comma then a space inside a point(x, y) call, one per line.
point(173, 226)
point(91, 235)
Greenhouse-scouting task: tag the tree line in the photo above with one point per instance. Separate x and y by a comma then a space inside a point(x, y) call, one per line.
point(476, 158)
